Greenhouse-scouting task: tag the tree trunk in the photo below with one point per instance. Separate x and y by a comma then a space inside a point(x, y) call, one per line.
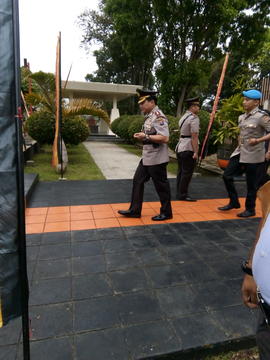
point(180, 101)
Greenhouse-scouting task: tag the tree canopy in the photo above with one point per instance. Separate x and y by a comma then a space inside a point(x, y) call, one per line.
point(177, 45)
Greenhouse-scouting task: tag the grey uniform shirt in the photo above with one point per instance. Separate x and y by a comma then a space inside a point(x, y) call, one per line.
point(252, 125)
point(191, 124)
point(155, 123)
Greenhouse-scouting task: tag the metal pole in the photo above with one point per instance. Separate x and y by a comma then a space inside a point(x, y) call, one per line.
point(60, 109)
point(20, 187)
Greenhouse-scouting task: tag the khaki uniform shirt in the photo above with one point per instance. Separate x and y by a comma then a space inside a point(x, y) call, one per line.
point(191, 124)
point(155, 123)
point(252, 125)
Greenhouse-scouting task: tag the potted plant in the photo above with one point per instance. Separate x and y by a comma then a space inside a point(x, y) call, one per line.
point(226, 136)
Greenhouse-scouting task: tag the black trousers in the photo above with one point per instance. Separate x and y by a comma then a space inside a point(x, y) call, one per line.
point(158, 173)
point(186, 166)
point(253, 174)
point(263, 338)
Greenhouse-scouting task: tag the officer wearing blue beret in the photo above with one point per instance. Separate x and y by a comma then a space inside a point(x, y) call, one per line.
point(249, 156)
point(154, 136)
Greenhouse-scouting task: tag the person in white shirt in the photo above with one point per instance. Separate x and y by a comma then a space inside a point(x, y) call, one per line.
point(256, 283)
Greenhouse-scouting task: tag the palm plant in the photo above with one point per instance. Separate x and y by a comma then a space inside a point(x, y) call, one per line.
point(43, 99)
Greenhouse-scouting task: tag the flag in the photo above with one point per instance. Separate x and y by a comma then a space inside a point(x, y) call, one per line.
point(13, 275)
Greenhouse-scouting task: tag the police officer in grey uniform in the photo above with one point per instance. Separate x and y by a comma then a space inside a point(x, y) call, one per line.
point(249, 156)
point(187, 148)
point(154, 136)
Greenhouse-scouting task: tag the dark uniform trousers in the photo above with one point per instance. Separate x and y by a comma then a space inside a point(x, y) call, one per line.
point(186, 166)
point(253, 174)
point(263, 338)
point(158, 173)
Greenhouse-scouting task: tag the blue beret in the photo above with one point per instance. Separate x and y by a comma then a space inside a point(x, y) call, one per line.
point(252, 94)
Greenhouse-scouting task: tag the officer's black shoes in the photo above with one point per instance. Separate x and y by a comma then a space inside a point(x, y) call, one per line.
point(187, 198)
point(246, 213)
point(129, 213)
point(229, 207)
point(161, 217)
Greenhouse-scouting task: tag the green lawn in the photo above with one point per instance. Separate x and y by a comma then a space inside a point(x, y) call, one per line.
point(172, 166)
point(80, 165)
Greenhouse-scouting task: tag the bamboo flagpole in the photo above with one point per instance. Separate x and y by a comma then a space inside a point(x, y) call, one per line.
point(56, 144)
point(214, 109)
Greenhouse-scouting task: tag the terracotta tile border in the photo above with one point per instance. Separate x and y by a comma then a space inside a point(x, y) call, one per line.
point(83, 217)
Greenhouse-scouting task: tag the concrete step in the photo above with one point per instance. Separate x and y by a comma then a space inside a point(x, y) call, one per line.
point(104, 138)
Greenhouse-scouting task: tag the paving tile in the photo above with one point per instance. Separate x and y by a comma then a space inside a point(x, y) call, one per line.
point(88, 286)
point(8, 352)
point(169, 240)
point(193, 272)
point(94, 314)
point(82, 224)
point(107, 344)
point(34, 228)
point(103, 214)
point(84, 235)
point(215, 295)
point(165, 275)
point(33, 239)
point(151, 339)
point(90, 248)
point(53, 349)
point(116, 245)
point(179, 301)
point(139, 307)
point(57, 251)
point(236, 320)
point(55, 238)
point(80, 208)
point(182, 254)
point(58, 210)
point(32, 253)
point(58, 217)
point(143, 241)
point(130, 221)
point(102, 208)
point(36, 211)
point(110, 233)
point(51, 320)
point(121, 260)
point(53, 269)
point(198, 330)
point(88, 265)
point(129, 280)
point(106, 223)
point(228, 268)
point(57, 226)
point(10, 333)
point(152, 256)
point(50, 291)
point(35, 219)
point(87, 215)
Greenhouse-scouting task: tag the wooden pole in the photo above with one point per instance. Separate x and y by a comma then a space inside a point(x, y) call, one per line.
point(214, 109)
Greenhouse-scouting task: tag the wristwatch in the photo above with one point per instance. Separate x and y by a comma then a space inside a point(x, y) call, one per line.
point(245, 268)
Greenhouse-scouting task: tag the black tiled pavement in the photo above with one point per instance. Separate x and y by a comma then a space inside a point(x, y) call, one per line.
point(115, 191)
point(101, 292)
point(133, 293)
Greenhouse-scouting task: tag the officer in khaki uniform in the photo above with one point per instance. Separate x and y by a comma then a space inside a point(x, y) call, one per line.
point(154, 136)
point(249, 156)
point(187, 148)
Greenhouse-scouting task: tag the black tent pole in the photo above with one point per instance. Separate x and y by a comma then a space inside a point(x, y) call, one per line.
point(20, 187)
point(60, 108)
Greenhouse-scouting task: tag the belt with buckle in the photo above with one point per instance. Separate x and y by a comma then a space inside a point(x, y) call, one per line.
point(185, 136)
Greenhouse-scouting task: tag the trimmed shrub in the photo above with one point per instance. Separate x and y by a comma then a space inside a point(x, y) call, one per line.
point(41, 126)
point(136, 123)
point(174, 131)
point(115, 124)
point(75, 130)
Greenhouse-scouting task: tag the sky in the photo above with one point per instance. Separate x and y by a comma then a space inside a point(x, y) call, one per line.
point(40, 23)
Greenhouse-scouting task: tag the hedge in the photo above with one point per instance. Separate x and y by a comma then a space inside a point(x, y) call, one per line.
point(41, 127)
